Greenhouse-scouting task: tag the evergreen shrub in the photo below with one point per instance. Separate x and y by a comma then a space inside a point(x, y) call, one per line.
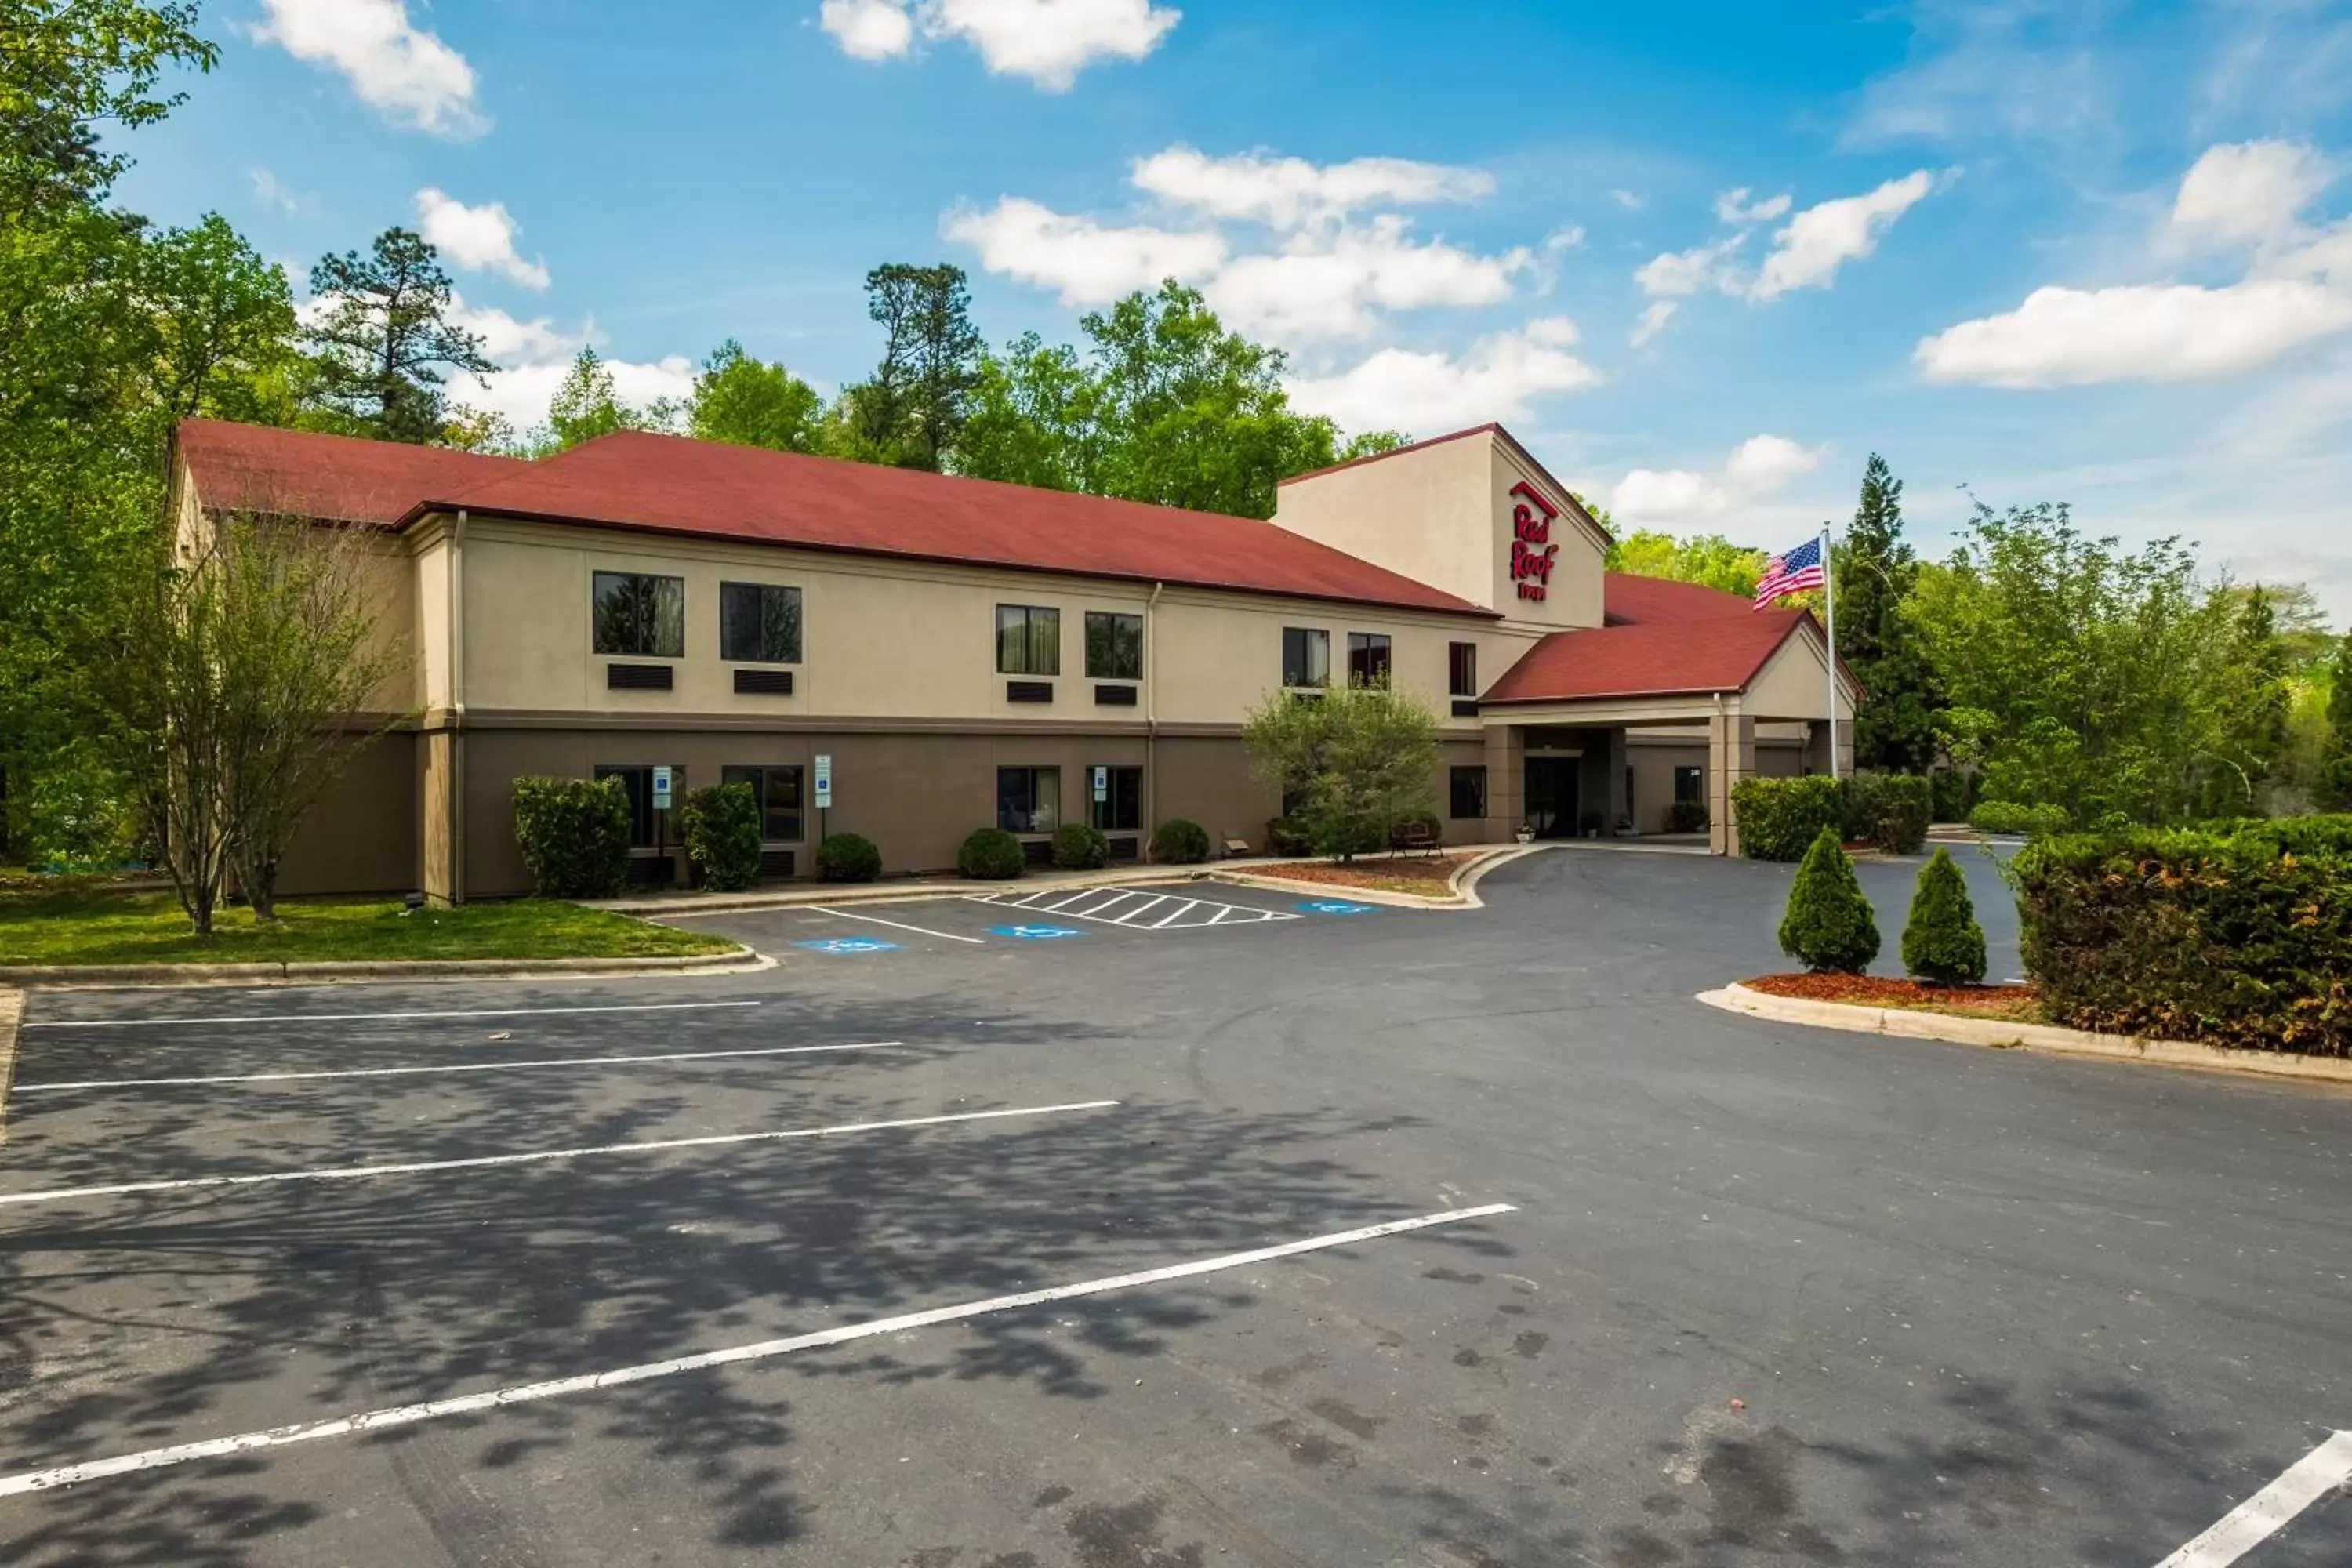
point(1941, 939)
point(1829, 924)
point(990, 854)
point(847, 858)
point(1078, 847)
point(720, 824)
point(574, 835)
point(1180, 842)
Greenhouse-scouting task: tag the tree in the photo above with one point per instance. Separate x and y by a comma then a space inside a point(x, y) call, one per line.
point(1942, 941)
point(912, 410)
point(1358, 759)
point(1708, 559)
point(2335, 781)
point(2254, 705)
point(222, 325)
point(1829, 924)
point(1895, 728)
point(587, 406)
point(240, 682)
point(386, 342)
point(750, 403)
point(69, 68)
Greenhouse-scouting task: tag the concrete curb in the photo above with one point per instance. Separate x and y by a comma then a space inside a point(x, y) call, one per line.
point(179, 976)
point(2004, 1034)
point(12, 1012)
point(1462, 886)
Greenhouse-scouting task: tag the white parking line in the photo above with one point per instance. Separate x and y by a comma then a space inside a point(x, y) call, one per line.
point(492, 1399)
point(1102, 906)
point(371, 1017)
point(415, 1167)
point(103, 1083)
point(894, 925)
point(2325, 1469)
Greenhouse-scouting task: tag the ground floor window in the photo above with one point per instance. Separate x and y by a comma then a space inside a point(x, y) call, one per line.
point(1120, 809)
point(778, 791)
point(1467, 792)
point(1028, 800)
point(638, 784)
point(1690, 786)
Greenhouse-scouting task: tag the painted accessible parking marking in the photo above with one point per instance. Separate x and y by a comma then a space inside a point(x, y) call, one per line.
point(1036, 933)
point(1335, 907)
point(764, 1350)
point(849, 944)
point(1137, 909)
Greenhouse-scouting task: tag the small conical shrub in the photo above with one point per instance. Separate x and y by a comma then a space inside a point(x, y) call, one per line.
point(1829, 924)
point(1942, 941)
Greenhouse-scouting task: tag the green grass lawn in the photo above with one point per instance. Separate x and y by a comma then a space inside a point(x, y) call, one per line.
point(94, 927)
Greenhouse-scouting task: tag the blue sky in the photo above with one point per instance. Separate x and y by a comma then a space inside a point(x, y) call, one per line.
point(1702, 259)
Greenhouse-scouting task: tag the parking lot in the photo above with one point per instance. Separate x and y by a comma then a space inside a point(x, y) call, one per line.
point(1156, 1230)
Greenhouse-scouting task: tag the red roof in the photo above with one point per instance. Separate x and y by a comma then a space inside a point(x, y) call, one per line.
point(301, 473)
point(1654, 659)
point(1631, 601)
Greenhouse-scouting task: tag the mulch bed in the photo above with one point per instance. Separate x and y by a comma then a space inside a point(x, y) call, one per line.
point(2015, 1002)
point(1392, 873)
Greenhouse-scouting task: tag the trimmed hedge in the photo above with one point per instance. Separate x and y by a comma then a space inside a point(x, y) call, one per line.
point(847, 858)
point(1180, 842)
point(2007, 817)
point(990, 854)
point(2240, 936)
point(1941, 941)
point(574, 835)
point(1829, 924)
point(1078, 847)
point(1780, 818)
point(1686, 816)
point(720, 824)
point(1891, 810)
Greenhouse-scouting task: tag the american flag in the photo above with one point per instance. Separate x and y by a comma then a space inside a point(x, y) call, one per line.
point(1800, 568)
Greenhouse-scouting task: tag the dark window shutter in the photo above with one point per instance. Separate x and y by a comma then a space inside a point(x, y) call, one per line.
point(763, 682)
point(638, 677)
point(1028, 691)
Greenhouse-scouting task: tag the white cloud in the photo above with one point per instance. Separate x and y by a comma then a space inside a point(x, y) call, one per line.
point(389, 61)
point(1085, 262)
point(533, 356)
point(868, 29)
point(2062, 337)
point(1328, 286)
point(1653, 321)
point(1399, 389)
point(272, 192)
point(2250, 192)
point(1820, 239)
point(1733, 206)
point(1757, 469)
point(1047, 41)
point(1289, 193)
point(481, 238)
point(1626, 199)
point(1679, 272)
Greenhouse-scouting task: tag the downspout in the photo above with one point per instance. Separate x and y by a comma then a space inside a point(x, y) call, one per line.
point(1150, 719)
point(457, 711)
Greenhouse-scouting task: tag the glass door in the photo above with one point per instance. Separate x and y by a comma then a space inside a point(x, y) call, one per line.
point(1551, 796)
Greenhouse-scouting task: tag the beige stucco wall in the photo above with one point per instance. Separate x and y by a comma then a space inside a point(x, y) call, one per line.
point(1794, 682)
point(1573, 597)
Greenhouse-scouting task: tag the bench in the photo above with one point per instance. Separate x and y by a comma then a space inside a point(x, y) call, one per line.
point(1407, 837)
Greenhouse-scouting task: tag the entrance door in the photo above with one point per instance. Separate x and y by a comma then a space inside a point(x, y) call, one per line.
point(1551, 796)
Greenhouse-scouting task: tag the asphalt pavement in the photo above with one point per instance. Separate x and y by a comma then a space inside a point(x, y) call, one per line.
point(1007, 1232)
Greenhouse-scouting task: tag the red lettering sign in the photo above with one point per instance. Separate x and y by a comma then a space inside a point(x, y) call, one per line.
point(1531, 566)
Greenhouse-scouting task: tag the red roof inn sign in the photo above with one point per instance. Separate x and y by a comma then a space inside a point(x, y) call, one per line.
point(1532, 551)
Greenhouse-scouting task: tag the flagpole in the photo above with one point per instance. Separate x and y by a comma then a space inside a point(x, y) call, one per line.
point(1828, 603)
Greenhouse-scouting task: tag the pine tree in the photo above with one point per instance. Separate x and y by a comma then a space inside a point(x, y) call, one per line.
point(2336, 767)
point(1941, 941)
point(386, 340)
point(1876, 569)
point(1829, 924)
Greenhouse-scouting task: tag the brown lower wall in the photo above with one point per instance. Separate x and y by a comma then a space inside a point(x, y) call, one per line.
point(1654, 763)
point(361, 836)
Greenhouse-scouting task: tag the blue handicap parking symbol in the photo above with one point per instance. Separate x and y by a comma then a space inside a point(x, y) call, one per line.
point(1036, 933)
point(849, 944)
point(1334, 907)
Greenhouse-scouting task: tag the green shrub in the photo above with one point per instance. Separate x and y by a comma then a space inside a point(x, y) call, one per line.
point(79, 816)
point(1180, 842)
point(992, 854)
point(1890, 810)
point(1953, 795)
point(574, 835)
point(1686, 816)
point(1829, 924)
point(847, 858)
point(1778, 819)
point(2007, 817)
point(2236, 937)
point(1941, 939)
point(720, 826)
point(1349, 836)
point(1288, 836)
point(1079, 847)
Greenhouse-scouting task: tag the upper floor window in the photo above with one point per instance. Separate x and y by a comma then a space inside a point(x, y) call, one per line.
point(1368, 658)
point(1114, 646)
point(640, 614)
point(1028, 640)
point(1305, 656)
point(759, 624)
point(1461, 669)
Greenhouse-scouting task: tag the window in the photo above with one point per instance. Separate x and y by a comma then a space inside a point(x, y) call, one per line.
point(1467, 790)
point(1121, 808)
point(1028, 640)
point(1028, 800)
point(778, 791)
point(1306, 656)
point(1690, 787)
point(1114, 647)
point(1368, 658)
point(640, 614)
point(1461, 669)
point(759, 624)
point(638, 784)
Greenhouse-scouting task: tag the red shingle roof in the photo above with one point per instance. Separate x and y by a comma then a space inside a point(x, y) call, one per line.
point(253, 468)
point(1632, 601)
point(1655, 660)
